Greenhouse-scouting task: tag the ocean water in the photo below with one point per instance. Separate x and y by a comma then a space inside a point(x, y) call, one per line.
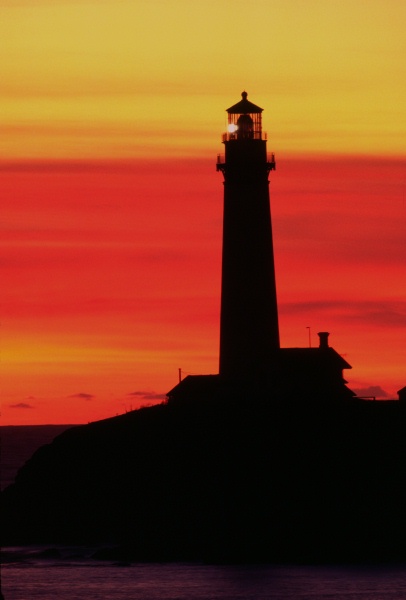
point(18, 444)
point(71, 574)
point(71, 579)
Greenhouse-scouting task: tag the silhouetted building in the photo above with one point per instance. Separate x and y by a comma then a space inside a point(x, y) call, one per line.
point(313, 371)
point(402, 394)
point(249, 331)
point(295, 373)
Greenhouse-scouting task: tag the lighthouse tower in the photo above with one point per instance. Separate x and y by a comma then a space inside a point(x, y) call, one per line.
point(250, 353)
point(249, 333)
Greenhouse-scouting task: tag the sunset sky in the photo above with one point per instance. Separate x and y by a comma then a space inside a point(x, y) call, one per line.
point(111, 115)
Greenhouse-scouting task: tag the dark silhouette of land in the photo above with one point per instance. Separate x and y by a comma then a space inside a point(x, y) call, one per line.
point(273, 459)
point(238, 476)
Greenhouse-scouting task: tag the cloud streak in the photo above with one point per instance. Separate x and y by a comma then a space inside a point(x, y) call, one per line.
point(82, 396)
point(384, 313)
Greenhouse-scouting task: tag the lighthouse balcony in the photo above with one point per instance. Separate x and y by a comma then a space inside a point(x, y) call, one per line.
point(221, 162)
point(239, 135)
point(271, 163)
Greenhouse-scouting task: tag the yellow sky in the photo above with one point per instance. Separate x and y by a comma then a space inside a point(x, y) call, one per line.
point(124, 78)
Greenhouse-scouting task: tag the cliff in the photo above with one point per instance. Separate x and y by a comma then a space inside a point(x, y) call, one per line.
point(238, 478)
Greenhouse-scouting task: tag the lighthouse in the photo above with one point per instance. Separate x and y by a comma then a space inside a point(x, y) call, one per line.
point(249, 333)
point(250, 353)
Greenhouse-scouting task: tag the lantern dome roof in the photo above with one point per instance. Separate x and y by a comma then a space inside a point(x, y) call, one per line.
point(244, 107)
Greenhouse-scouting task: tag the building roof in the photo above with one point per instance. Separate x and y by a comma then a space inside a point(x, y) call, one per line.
point(308, 356)
point(244, 107)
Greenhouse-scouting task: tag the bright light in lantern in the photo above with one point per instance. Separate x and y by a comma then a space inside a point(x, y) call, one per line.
point(232, 128)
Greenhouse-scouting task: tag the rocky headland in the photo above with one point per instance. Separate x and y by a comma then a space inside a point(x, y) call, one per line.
point(239, 478)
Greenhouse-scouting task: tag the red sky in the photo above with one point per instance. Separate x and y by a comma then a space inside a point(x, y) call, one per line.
point(112, 209)
point(113, 276)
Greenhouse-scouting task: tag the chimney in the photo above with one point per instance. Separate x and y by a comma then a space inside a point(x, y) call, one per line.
point(323, 341)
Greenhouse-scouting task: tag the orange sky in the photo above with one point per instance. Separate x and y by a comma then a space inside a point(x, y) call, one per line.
point(111, 115)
